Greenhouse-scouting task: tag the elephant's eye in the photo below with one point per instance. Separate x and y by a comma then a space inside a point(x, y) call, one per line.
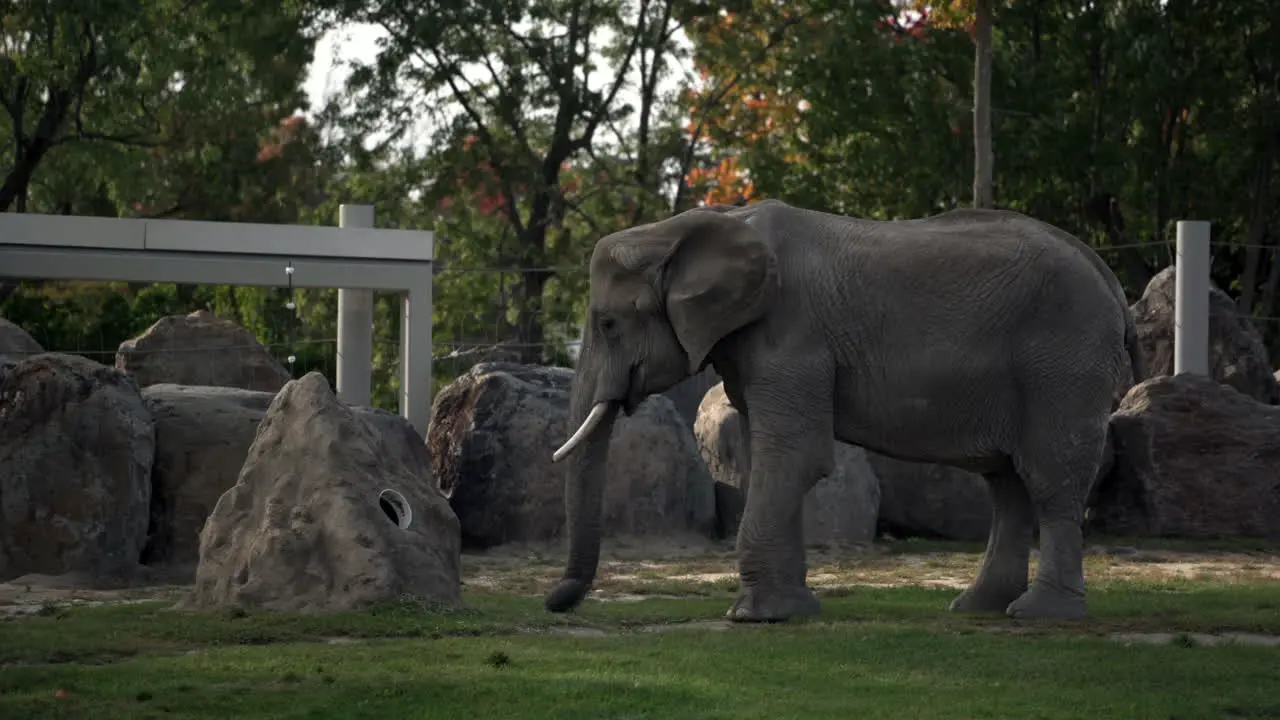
point(607, 325)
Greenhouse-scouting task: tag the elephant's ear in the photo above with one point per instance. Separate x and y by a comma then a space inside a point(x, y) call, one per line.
point(719, 276)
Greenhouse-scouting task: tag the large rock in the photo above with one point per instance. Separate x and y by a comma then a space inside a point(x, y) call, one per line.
point(203, 436)
point(1237, 355)
point(840, 510)
point(687, 394)
point(492, 434)
point(76, 447)
point(200, 349)
point(1194, 458)
point(933, 501)
point(333, 510)
point(910, 499)
point(16, 343)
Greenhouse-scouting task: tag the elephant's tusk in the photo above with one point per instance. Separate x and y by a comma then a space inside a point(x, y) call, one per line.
point(593, 419)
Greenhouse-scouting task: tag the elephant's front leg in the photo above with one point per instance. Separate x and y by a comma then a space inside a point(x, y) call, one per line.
point(792, 447)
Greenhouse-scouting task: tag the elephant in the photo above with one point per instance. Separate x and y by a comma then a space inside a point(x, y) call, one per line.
point(982, 339)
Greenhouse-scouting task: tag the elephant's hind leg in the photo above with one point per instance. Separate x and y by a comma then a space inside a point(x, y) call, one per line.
point(1059, 470)
point(1003, 576)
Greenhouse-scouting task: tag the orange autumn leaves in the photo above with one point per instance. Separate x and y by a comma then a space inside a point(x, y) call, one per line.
point(734, 105)
point(742, 102)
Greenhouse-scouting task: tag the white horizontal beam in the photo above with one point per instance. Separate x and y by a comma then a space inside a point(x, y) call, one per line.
point(70, 231)
point(73, 231)
point(209, 268)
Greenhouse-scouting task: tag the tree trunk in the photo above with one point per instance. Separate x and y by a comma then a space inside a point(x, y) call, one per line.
point(983, 191)
point(14, 188)
point(1267, 305)
point(531, 327)
point(1259, 211)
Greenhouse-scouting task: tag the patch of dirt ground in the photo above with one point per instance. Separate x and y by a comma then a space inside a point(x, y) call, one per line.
point(633, 569)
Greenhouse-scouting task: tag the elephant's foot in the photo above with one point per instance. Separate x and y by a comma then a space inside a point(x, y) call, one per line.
point(759, 604)
point(989, 597)
point(1045, 602)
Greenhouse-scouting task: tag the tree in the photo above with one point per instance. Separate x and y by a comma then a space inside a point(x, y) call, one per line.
point(845, 107)
point(522, 91)
point(975, 16)
point(135, 77)
point(153, 109)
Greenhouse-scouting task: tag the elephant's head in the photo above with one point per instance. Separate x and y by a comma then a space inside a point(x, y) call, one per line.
point(662, 296)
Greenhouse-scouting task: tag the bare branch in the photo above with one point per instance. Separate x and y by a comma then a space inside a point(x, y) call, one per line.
point(717, 96)
point(504, 177)
point(594, 121)
point(507, 112)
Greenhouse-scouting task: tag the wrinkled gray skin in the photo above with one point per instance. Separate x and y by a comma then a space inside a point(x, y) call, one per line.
point(985, 340)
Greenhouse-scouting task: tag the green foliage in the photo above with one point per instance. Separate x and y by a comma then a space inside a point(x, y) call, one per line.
point(520, 134)
point(527, 162)
point(1111, 120)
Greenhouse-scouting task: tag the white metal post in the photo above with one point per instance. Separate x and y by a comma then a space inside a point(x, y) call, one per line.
point(355, 325)
point(1191, 305)
point(415, 354)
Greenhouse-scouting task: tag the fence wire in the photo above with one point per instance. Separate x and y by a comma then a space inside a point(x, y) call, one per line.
point(481, 315)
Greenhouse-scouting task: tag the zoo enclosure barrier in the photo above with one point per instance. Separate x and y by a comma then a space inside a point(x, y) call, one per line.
point(355, 257)
point(482, 316)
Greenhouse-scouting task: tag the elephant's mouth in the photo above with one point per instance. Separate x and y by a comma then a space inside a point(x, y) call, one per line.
point(629, 405)
point(633, 396)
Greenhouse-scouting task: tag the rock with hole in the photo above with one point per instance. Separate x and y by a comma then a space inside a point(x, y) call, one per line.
point(203, 435)
point(492, 434)
point(1237, 354)
point(1194, 458)
point(335, 509)
point(76, 448)
point(839, 511)
point(200, 349)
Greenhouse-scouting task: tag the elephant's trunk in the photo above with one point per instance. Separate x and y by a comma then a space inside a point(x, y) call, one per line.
point(583, 490)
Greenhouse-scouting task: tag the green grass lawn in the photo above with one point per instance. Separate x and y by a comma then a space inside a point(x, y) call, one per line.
point(875, 652)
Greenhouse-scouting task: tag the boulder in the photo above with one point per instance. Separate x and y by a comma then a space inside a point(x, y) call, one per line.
point(1237, 355)
point(492, 434)
point(16, 343)
point(910, 498)
point(333, 510)
point(1194, 458)
point(932, 501)
point(200, 349)
point(76, 448)
point(687, 394)
point(723, 447)
point(203, 435)
point(840, 510)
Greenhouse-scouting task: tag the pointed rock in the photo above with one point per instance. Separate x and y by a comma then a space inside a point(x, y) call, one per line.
point(200, 349)
point(334, 509)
